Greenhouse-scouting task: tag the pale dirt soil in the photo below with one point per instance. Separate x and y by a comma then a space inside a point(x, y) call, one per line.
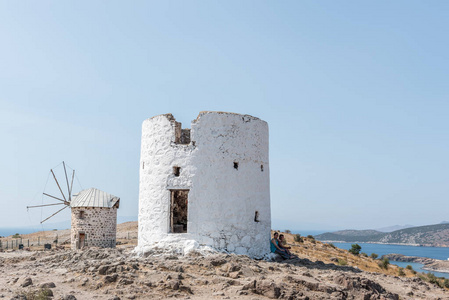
point(118, 274)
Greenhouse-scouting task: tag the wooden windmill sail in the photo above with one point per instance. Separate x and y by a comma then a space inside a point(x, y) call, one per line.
point(65, 200)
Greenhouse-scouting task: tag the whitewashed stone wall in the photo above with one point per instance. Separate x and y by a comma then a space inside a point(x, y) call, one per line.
point(99, 224)
point(222, 200)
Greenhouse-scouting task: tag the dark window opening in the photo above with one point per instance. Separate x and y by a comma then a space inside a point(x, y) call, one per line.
point(256, 216)
point(81, 214)
point(236, 165)
point(261, 168)
point(176, 171)
point(178, 211)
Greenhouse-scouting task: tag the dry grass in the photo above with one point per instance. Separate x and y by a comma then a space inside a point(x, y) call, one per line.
point(317, 251)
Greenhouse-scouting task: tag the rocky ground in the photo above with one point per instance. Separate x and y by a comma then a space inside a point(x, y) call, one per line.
point(118, 274)
point(322, 271)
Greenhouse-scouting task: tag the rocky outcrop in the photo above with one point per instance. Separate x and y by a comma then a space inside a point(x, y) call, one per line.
point(430, 264)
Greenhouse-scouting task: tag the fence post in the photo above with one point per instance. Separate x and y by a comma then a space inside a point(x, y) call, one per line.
point(38, 240)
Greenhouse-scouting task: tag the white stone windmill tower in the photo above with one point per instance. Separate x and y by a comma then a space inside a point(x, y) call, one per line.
point(208, 183)
point(94, 214)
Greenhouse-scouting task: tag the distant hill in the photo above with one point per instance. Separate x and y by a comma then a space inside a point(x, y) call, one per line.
point(395, 227)
point(430, 235)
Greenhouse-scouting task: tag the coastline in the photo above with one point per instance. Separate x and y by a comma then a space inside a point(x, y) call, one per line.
point(429, 264)
point(398, 244)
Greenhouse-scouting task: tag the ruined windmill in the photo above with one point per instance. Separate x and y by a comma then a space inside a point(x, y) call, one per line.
point(94, 215)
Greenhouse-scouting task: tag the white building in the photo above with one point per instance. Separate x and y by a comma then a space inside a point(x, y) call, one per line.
point(209, 184)
point(94, 219)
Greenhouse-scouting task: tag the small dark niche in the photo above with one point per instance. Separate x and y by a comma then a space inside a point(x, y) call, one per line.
point(236, 165)
point(256, 216)
point(176, 171)
point(261, 168)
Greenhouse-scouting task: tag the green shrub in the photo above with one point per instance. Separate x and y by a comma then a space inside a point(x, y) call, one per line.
point(401, 272)
point(446, 283)
point(433, 279)
point(288, 231)
point(310, 237)
point(355, 249)
point(374, 256)
point(16, 236)
point(409, 267)
point(364, 254)
point(383, 264)
point(298, 238)
point(332, 245)
point(342, 262)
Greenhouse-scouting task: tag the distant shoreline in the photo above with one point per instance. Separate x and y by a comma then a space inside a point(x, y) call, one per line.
point(399, 244)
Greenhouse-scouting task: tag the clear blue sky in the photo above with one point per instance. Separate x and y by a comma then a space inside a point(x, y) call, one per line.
point(355, 94)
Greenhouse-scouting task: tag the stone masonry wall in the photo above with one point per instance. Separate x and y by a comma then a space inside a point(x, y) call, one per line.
point(99, 225)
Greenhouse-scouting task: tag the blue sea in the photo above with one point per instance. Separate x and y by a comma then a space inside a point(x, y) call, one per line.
point(20, 230)
point(382, 249)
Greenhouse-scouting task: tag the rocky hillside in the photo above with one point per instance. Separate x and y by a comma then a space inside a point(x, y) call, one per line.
point(430, 235)
point(321, 272)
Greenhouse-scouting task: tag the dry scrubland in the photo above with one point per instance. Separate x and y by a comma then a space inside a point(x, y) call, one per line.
point(320, 272)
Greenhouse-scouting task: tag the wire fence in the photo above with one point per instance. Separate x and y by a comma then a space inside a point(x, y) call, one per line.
point(19, 243)
point(41, 243)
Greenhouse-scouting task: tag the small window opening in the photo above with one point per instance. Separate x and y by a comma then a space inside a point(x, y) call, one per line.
point(176, 171)
point(256, 216)
point(236, 165)
point(81, 214)
point(261, 168)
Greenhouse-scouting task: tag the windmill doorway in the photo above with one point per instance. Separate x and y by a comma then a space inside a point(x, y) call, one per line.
point(178, 210)
point(82, 241)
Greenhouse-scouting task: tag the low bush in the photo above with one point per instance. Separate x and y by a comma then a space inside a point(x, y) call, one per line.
point(374, 256)
point(288, 231)
point(401, 272)
point(364, 254)
point(446, 283)
point(298, 238)
point(433, 279)
point(342, 262)
point(383, 264)
point(355, 249)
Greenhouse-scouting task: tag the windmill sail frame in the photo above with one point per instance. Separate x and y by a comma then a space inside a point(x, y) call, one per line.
point(65, 201)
